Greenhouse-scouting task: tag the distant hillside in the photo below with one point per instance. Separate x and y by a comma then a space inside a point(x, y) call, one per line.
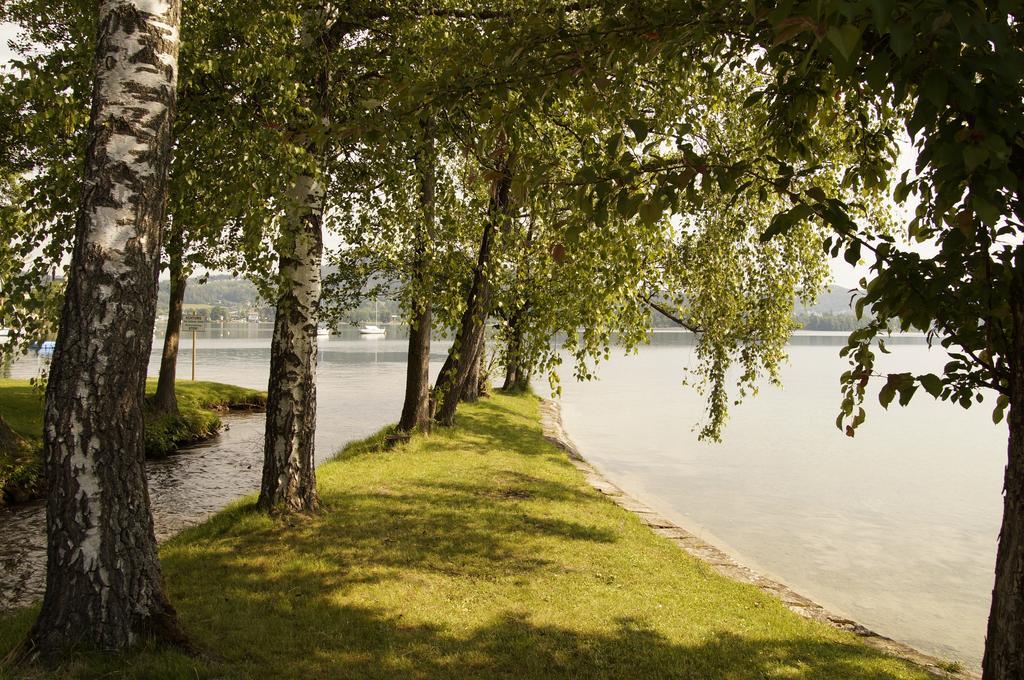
point(831, 312)
point(222, 291)
point(226, 297)
point(835, 300)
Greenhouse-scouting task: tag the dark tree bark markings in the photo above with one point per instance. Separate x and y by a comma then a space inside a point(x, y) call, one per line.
point(289, 471)
point(103, 585)
point(1004, 642)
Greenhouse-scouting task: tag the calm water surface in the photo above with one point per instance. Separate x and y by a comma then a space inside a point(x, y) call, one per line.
point(896, 528)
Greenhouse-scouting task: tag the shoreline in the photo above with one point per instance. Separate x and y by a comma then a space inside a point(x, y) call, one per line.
point(554, 431)
point(198, 421)
point(476, 552)
point(23, 548)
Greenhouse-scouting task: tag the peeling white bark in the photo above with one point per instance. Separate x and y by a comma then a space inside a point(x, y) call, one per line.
point(103, 576)
point(135, 121)
point(289, 476)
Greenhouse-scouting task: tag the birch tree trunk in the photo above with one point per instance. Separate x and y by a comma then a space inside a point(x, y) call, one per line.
point(103, 580)
point(416, 408)
point(1004, 642)
point(289, 469)
point(166, 399)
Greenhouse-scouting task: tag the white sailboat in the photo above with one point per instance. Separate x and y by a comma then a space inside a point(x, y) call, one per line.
point(373, 330)
point(46, 349)
point(323, 332)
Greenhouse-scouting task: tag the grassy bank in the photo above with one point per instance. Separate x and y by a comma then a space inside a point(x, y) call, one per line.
point(21, 405)
point(475, 552)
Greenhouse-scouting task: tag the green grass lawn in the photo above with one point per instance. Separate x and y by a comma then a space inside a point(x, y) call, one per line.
point(473, 552)
point(21, 405)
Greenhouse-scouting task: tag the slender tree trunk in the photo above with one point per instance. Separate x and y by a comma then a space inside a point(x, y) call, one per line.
point(471, 391)
point(103, 580)
point(416, 409)
point(289, 469)
point(166, 399)
point(452, 380)
point(289, 454)
point(515, 375)
point(1004, 643)
point(444, 376)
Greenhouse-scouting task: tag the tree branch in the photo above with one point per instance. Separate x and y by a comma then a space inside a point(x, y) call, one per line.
point(661, 309)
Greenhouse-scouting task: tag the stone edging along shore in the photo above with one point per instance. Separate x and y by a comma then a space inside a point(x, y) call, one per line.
point(554, 432)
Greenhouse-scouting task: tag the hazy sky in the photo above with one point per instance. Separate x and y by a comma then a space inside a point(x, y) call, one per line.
point(844, 274)
point(6, 33)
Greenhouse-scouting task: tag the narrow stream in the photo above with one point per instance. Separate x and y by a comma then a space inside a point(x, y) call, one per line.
point(360, 385)
point(184, 489)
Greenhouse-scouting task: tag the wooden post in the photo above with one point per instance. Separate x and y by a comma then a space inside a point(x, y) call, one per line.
point(190, 321)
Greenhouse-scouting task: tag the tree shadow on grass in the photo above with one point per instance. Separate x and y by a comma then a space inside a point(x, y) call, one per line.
point(473, 530)
point(492, 425)
point(337, 640)
point(273, 599)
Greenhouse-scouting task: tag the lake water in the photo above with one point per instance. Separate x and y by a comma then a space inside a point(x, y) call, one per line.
point(896, 528)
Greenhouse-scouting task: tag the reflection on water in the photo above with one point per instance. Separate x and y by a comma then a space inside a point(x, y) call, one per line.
point(896, 528)
point(360, 385)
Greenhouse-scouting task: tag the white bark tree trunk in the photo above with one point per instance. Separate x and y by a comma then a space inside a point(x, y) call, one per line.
point(289, 472)
point(103, 581)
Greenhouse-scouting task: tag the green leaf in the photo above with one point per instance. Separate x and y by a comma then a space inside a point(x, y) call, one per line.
point(650, 212)
point(1000, 410)
point(753, 99)
point(935, 88)
point(901, 37)
point(931, 383)
point(881, 11)
point(886, 394)
point(852, 254)
point(907, 393)
point(613, 144)
point(818, 194)
point(639, 128)
point(974, 156)
point(780, 223)
point(627, 204)
point(844, 38)
point(877, 73)
point(783, 222)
